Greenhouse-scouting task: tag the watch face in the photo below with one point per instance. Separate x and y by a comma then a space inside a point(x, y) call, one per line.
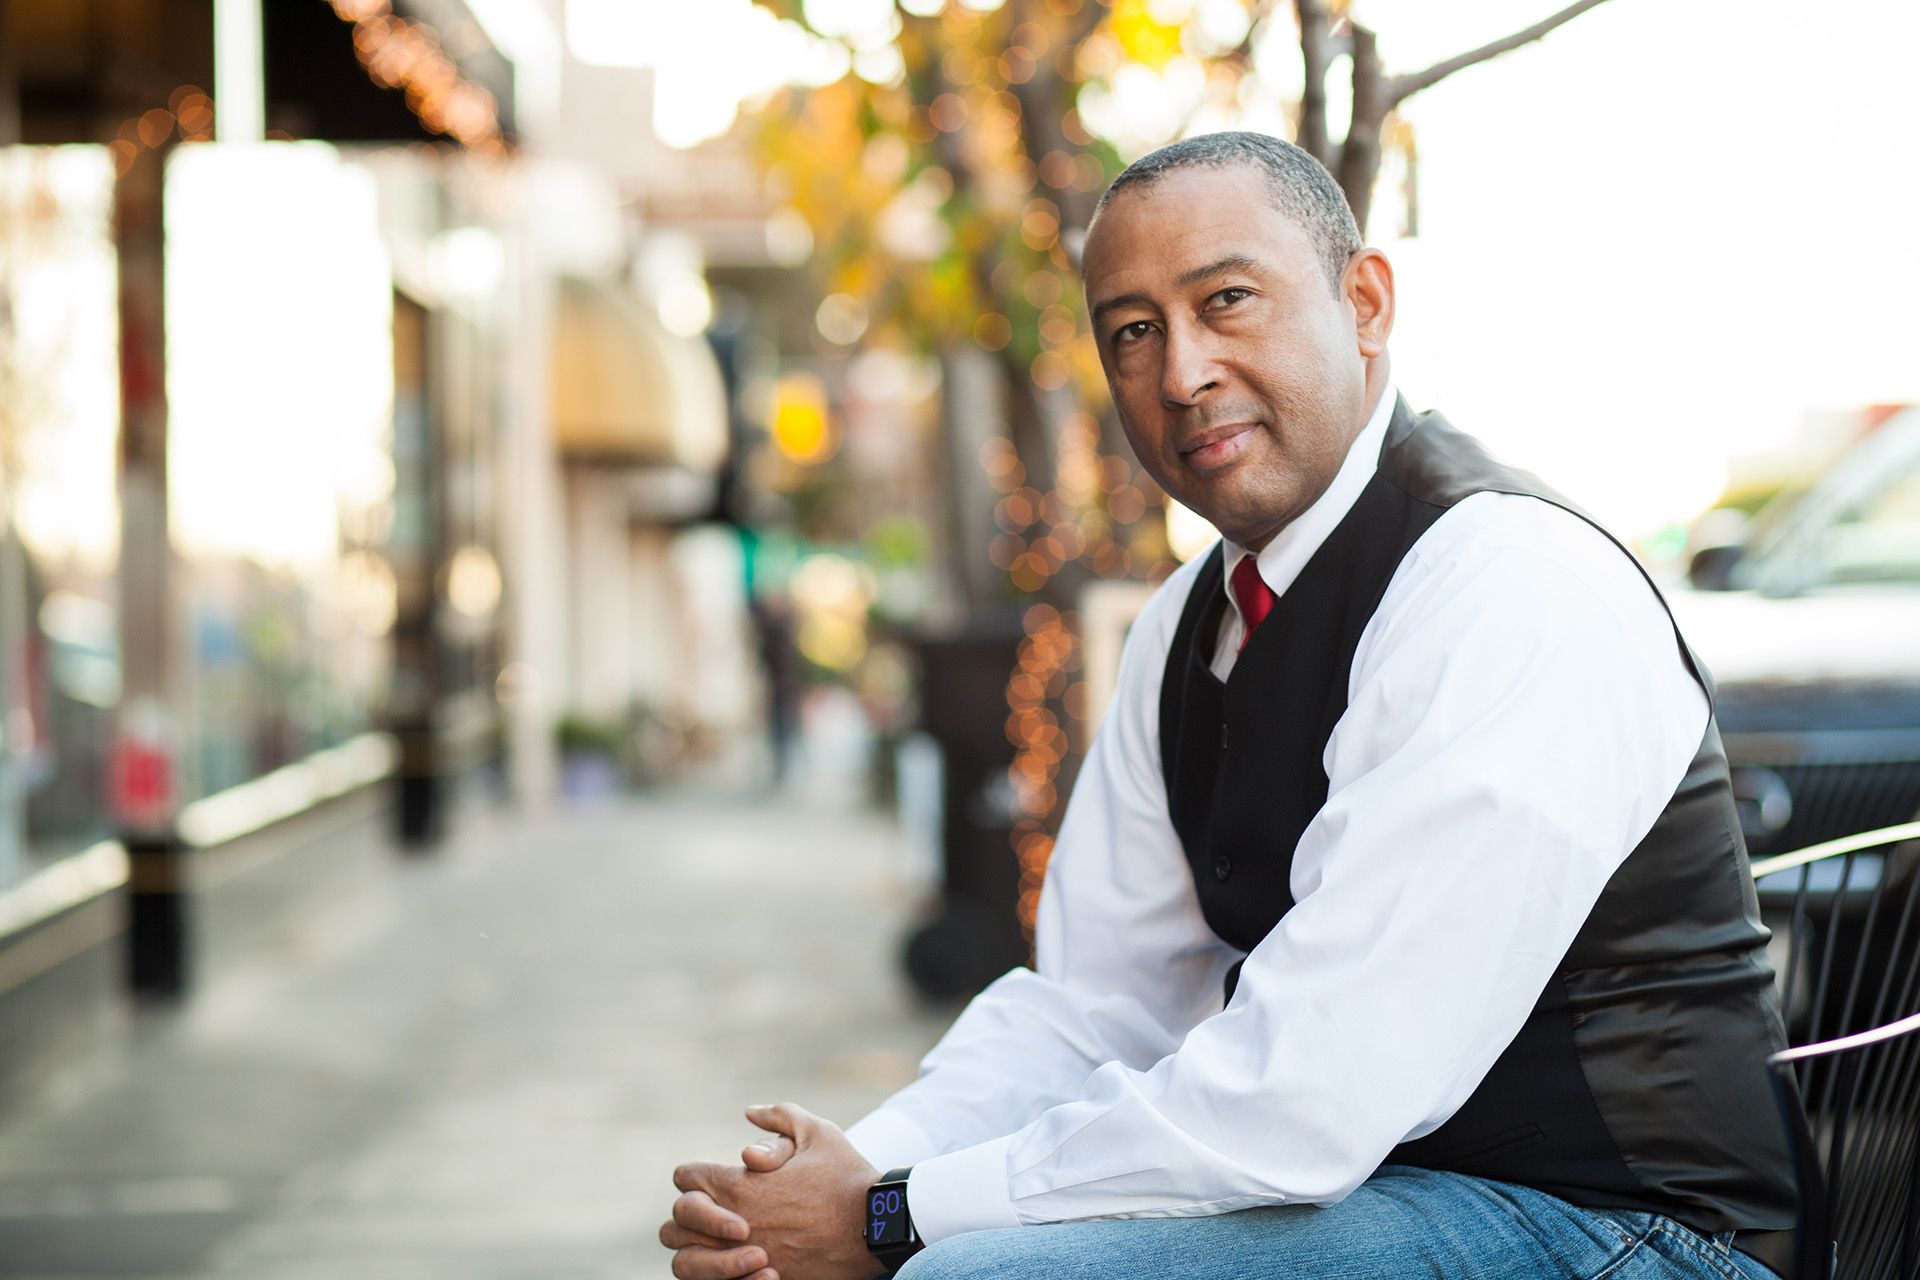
point(887, 1215)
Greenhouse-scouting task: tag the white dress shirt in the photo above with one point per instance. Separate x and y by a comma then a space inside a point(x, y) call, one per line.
point(1518, 716)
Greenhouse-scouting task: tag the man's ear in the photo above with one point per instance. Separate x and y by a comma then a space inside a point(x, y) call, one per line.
point(1368, 284)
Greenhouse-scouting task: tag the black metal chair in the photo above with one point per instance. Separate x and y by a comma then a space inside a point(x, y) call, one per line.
point(1851, 996)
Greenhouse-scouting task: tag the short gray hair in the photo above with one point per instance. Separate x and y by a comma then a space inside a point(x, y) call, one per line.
point(1300, 186)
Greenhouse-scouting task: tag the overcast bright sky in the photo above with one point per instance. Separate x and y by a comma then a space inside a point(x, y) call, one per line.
point(1665, 233)
point(1650, 242)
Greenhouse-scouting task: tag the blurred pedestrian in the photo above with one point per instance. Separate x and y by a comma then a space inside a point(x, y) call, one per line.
point(772, 619)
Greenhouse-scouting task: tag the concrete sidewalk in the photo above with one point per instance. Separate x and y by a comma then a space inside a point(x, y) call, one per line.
point(479, 1065)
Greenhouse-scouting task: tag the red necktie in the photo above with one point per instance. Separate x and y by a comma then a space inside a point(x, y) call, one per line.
point(1256, 599)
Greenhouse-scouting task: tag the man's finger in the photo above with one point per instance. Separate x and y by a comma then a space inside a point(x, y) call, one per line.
point(675, 1236)
point(699, 1176)
point(697, 1211)
point(769, 1153)
point(696, 1263)
point(786, 1118)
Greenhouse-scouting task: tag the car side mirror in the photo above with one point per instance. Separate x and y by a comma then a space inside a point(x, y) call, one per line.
point(1711, 568)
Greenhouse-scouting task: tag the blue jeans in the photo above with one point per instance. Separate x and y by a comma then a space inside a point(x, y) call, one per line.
point(1402, 1222)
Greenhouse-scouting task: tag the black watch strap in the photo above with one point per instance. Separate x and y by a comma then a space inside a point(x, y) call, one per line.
point(888, 1227)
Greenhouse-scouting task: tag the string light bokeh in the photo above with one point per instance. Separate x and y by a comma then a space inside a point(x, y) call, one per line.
point(400, 53)
point(1040, 692)
point(189, 112)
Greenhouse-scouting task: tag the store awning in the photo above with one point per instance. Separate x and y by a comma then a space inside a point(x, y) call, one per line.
point(358, 73)
point(412, 71)
point(625, 390)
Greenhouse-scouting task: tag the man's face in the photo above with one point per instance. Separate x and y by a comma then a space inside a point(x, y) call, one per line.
point(1239, 371)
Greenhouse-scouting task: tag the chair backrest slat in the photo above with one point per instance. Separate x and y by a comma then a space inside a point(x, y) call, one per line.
point(1829, 942)
point(1897, 1080)
point(1851, 1100)
point(1799, 937)
point(1910, 1246)
point(1883, 1165)
point(1891, 974)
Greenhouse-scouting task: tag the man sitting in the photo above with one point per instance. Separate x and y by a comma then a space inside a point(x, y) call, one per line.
point(1399, 923)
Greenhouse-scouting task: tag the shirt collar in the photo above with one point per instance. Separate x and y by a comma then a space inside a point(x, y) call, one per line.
point(1281, 560)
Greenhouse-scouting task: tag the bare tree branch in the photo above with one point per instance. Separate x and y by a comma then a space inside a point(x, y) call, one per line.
point(1405, 86)
point(1090, 17)
point(1238, 59)
point(1258, 12)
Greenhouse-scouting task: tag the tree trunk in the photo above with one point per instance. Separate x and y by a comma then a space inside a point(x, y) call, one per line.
point(1315, 55)
point(972, 411)
point(1360, 157)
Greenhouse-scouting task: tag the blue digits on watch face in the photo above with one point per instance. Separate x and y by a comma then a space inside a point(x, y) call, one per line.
point(886, 1216)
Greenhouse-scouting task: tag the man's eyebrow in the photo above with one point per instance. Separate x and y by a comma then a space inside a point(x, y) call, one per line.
point(1232, 262)
point(1105, 305)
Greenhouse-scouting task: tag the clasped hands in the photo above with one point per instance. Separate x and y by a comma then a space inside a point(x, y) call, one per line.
point(792, 1210)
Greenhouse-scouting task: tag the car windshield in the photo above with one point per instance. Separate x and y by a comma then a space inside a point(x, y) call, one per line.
point(1878, 543)
point(1860, 525)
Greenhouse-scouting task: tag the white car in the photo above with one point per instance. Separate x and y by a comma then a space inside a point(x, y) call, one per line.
point(1810, 626)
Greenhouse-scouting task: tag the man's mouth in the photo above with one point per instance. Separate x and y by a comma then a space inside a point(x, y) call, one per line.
point(1215, 447)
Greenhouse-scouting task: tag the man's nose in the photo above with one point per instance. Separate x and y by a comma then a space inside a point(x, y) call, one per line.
point(1190, 370)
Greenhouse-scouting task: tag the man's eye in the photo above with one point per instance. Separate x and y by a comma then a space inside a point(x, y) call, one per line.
point(1227, 297)
point(1132, 332)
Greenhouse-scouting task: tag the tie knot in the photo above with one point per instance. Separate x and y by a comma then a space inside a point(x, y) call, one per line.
point(1252, 593)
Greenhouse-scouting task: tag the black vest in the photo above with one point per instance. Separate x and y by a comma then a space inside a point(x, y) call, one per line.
point(1638, 1080)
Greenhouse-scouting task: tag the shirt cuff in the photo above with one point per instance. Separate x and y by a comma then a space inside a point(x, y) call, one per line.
point(965, 1190)
point(887, 1140)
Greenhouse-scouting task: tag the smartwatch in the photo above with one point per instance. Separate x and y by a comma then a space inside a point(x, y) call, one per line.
point(889, 1226)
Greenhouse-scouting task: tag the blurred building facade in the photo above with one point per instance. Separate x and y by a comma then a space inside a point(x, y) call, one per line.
point(353, 426)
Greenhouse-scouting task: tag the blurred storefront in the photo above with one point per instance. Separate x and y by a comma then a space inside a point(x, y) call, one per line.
point(58, 421)
point(281, 482)
point(373, 447)
point(230, 514)
point(640, 422)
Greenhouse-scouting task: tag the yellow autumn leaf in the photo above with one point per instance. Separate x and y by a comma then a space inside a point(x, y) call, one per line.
point(1143, 37)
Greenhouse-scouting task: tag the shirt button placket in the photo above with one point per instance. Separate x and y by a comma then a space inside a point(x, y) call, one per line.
point(1222, 865)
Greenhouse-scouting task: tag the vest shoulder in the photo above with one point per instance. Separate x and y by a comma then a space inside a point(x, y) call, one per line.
point(1433, 461)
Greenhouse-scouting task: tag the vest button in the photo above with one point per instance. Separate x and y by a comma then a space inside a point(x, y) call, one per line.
point(1223, 737)
point(1222, 867)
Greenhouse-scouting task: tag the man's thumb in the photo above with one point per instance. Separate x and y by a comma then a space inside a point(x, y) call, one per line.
point(768, 1154)
point(786, 1118)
